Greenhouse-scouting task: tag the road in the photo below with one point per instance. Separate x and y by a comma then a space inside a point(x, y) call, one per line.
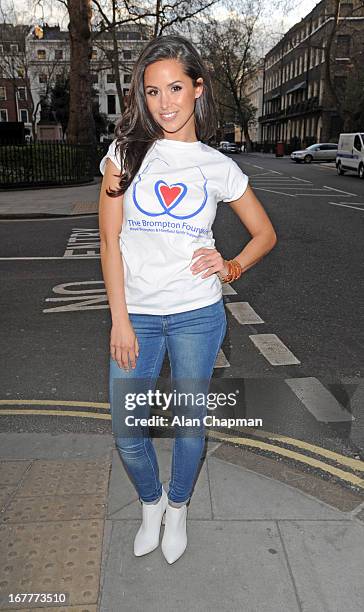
point(294, 344)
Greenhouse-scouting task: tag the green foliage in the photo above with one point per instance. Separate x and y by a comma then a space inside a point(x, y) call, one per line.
point(60, 102)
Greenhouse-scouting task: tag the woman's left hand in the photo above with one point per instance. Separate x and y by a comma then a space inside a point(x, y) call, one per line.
point(210, 260)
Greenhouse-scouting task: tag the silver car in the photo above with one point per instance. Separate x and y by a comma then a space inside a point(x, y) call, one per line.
point(323, 151)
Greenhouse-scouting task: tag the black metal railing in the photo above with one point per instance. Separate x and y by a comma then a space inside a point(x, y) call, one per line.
point(49, 163)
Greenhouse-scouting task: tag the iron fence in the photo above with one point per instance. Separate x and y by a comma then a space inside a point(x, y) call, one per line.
point(49, 163)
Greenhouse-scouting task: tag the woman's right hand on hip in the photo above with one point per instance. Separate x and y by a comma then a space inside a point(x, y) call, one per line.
point(124, 345)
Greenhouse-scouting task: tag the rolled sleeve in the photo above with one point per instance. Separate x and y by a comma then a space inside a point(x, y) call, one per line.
point(112, 154)
point(235, 184)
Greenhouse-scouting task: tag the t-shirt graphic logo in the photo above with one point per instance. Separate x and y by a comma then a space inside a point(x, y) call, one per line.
point(186, 199)
point(168, 195)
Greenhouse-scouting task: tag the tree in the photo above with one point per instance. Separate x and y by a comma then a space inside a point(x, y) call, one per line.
point(108, 16)
point(341, 83)
point(60, 103)
point(81, 125)
point(228, 48)
point(154, 18)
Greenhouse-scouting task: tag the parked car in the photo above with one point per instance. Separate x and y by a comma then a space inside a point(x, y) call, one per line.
point(229, 147)
point(350, 153)
point(323, 151)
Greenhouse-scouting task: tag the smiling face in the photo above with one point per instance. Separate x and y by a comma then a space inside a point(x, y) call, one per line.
point(170, 96)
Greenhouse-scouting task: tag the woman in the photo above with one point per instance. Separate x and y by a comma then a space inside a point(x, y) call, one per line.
point(162, 273)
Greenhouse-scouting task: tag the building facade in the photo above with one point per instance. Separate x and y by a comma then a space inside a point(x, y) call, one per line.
point(46, 58)
point(298, 106)
point(253, 90)
point(15, 103)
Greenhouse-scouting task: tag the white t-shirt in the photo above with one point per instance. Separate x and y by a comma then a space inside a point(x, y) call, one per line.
point(168, 211)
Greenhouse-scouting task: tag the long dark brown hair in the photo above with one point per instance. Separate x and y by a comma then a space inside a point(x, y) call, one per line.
point(136, 130)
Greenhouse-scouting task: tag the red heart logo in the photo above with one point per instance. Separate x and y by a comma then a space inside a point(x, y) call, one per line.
point(169, 194)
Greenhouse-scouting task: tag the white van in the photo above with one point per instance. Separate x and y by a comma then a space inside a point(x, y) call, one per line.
point(350, 153)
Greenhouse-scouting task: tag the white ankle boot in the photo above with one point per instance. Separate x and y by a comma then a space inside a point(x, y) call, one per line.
point(174, 539)
point(147, 538)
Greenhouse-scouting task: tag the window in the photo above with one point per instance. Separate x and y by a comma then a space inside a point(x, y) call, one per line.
point(125, 92)
point(41, 54)
point(14, 48)
point(311, 51)
point(42, 78)
point(127, 78)
point(110, 78)
point(94, 78)
point(3, 114)
point(357, 143)
point(111, 104)
point(94, 54)
point(22, 93)
point(58, 54)
point(343, 45)
point(23, 115)
point(2, 93)
point(127, 55)
point(346, 9)
point(340, 85)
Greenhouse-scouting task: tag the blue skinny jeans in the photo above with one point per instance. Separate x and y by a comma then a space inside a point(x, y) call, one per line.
point(193, 340)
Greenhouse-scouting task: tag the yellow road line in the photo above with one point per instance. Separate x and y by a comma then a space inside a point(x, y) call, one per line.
point(45, 402)
point(353, 464)
point(89, 415)
point(285, 452)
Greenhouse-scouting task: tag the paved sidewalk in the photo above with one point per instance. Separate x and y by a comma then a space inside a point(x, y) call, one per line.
point(55, 201)
point(69, 516)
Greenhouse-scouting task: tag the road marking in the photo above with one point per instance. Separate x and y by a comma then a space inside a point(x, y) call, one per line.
point(227, 289)
point(51, 402)
point(322, 194)
point(244, 313)
point(81, 298)
point(273, 349)
point(221, 361)
point(346, 205)
point(300, 179)
point(83, 239)
point(50, 218)
point(340, 191)
point(318, 400)
point(272, 191)
point(285, 452)
point(264, 174)
point(305, 187)
point(353, 464)
point(46, 258)
point(260, 167)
